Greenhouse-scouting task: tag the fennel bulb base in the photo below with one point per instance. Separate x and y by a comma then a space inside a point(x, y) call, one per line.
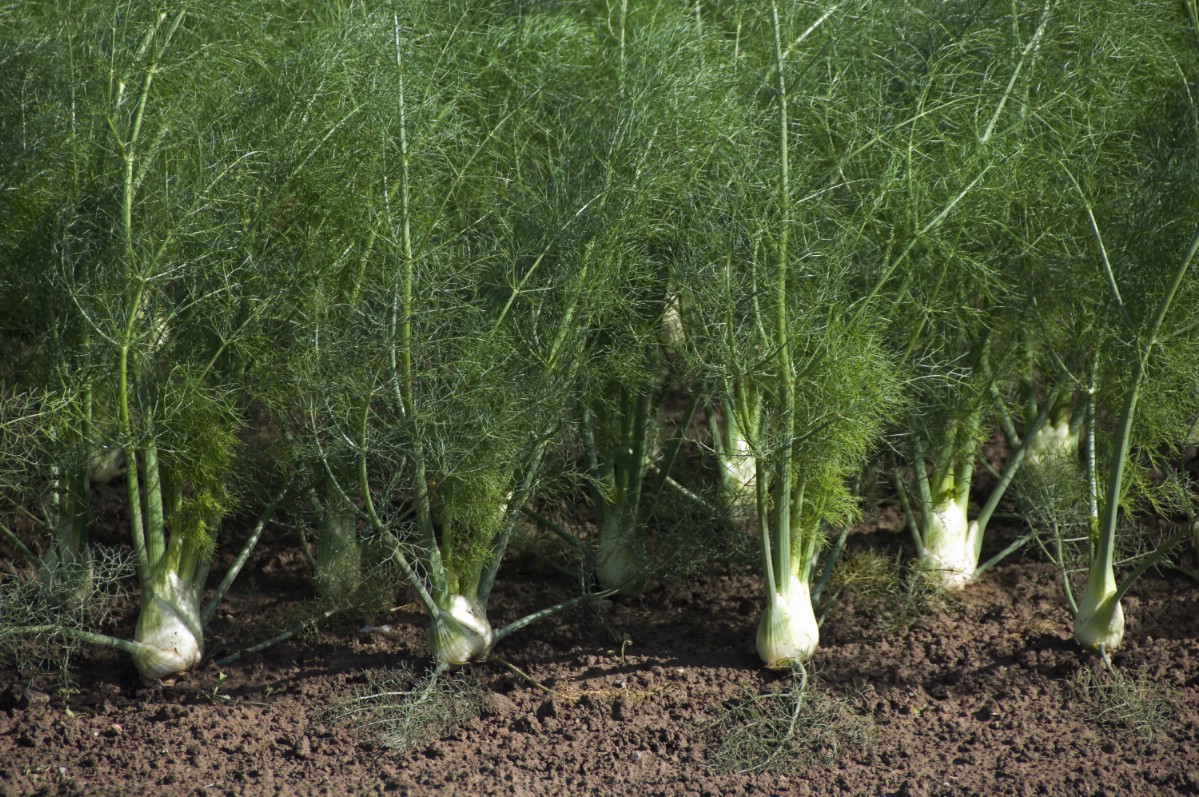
point(168, 636)
point(1099, 623)
point(788, 633)
point(739, 479)
point(951, 546)
point(1052, 442)
point(620, 563)
point(461, 633)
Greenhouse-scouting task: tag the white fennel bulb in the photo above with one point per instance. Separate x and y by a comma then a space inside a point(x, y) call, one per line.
point(168, 636)
point(788, 633)
point(951, 546)
point(460, 634)
point(620, 558)
point(1100, 619)
point(1052, 441)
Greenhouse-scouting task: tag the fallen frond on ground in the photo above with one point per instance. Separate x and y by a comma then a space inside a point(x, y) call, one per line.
point(898, 594)
point(1115, 700)
point(405, 710)
point(787, 726)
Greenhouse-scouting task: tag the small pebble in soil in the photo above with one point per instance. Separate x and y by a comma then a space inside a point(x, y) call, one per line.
point(989, 711)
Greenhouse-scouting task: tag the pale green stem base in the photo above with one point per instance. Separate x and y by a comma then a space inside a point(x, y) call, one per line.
point(1099, 623)
point(620, 559)
point(951, 546)
point(788, 633)
point(168, 631)
point(459, 633)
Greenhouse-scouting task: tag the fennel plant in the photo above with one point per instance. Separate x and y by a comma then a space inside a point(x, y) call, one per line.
point(768, 325)
point(960, 147)
point(459, 302)
point(144, 268)
point(1121, 262)
point(664, 123)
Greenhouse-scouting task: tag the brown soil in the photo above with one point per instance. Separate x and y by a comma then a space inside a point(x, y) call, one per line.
point(970, 698)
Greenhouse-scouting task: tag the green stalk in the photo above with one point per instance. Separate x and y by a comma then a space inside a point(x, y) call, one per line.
point(787, 632)
point(338, 570)
point(234, 569)
point(1001, 412)
point(424, 513)
point(584, 553)
point(1108, 518)
point(156, 543)
point(33, 558)
point(71, 494)
point(634, 456)
point(558, 608)
point(781, 330)
point(1153, 558)
point(965, 454)
point(280, 637)
point(905, 503)
point(132, 488)
point(829, 564)
point(129, 146)
point(924, 489)
point(619, 516)
point(1100, 620)
point(761, 482)
point(103, 640)
point(147, 549)
point(799, 562)
point(69, 556)
point(1029, 48)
